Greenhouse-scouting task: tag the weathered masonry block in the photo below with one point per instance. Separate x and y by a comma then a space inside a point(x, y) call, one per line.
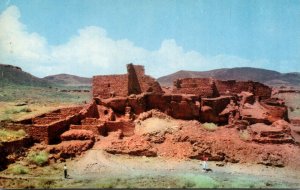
point(134, 82)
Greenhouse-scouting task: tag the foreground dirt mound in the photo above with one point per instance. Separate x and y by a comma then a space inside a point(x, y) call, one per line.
point(72, 148)
point(133, 146)
point(192, 140)
point(153, 126)
point(77, 134)
point(277, 133)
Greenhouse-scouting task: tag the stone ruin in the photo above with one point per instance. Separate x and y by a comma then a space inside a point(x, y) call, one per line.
point(119, 99)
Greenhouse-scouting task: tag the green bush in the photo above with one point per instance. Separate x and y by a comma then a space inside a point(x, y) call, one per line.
point(19, 169)
point(210, 126)
point(38, 158)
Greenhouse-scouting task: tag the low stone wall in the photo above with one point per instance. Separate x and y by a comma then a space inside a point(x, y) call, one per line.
point(203, 87)
point(127, 127)
point(97, 129)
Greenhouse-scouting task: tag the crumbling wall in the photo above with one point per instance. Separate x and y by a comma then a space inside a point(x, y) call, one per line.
point(232, 86)
point(89, 110)
point(127, 127)
point(204, 87)
point(212, 107)
point(134, 82)
point(99, 129)
point(261, 90)
point(105, 86)
point(48, 127)
point(145, 83)
point(235, 87)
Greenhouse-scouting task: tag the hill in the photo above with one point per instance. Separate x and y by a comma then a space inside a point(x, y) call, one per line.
point(12, 75)
point(69, 80)
point(268, 77)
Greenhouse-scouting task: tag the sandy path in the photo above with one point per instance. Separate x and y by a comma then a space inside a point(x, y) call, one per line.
point(96, 163)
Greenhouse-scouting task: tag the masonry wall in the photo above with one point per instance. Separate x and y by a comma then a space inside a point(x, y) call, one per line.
point(203, 87)
point(126, 127)
point(133, 72)
point(105, 85)
point(146, 83)
point(232, 86)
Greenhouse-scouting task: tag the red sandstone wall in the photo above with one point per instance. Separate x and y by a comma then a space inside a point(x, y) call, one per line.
point(103, 86)
point(134, 86)
point(135, 82)
point(204, 87)
point(126, 127)
point(146, 83)
point(97, 129)
point(232, 86)
point(48, 127)
point(89, 111)
point(262, 90)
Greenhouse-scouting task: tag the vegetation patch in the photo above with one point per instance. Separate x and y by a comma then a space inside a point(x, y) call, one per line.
point(18, 169)
point(38, 158)
point(199, 181)
point(210, 126)
point(17, 110)
point(10, 135)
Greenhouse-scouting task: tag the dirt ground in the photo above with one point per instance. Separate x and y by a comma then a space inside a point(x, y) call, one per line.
point(97, 169)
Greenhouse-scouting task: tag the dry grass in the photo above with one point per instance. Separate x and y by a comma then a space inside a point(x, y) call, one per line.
point(9, 135)
point(210, 126)
point(245, 135)
point(38, 158)
point(18, 169)
point(37, 101)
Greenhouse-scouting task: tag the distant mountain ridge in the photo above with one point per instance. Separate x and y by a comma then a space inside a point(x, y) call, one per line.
point(69, 80)
point(15, 75)
point(269, 77)
point(12, 75)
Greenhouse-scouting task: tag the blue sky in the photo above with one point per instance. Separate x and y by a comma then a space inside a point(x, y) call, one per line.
point(101, 36)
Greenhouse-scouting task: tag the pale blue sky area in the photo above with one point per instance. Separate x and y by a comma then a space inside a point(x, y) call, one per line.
point(205, 34)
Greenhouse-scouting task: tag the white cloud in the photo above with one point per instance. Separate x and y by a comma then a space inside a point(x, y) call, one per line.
point(92, 52)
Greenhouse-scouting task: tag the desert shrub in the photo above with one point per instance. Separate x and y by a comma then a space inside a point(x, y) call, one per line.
point(45, 183)
point(245, 135)
point(189, 184)
point(26, 110)
point(18, 110)
point(7, 135)
point(210, 126)
point(38, 158)
point(19, 169)
point(292, 109)
point(199, 181)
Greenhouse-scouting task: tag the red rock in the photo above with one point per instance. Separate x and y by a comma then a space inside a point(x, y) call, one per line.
point(71, 148)
point(133, 146)
point(77, 134)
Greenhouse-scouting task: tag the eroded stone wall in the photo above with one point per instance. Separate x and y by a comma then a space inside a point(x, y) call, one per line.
point(204, 87)
point(134, 82)
point(235, 87)
point(105, 86)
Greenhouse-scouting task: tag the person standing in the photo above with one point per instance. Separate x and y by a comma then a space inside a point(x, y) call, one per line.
point(65, 171)
point(204, 164)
